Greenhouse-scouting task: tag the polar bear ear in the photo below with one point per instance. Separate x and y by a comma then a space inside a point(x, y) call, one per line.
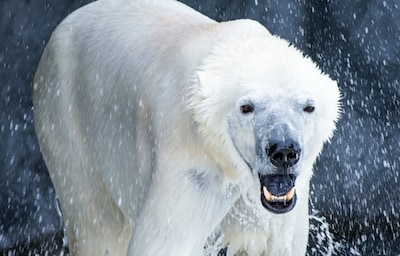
point(203, 79)
point(198, 95)
point(206, 84)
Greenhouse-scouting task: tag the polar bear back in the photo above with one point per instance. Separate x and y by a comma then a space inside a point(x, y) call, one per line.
point(93, 55)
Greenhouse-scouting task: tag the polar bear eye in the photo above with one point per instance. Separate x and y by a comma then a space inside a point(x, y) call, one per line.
point(309, 108)
point(246, 109)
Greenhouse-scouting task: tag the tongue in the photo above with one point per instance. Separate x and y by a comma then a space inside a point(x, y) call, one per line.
point(277, 186)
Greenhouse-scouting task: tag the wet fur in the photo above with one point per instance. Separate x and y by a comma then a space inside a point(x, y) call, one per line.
point(136, 108)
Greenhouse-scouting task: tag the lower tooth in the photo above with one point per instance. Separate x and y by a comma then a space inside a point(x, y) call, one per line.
point(289, 195)
point(269, 197)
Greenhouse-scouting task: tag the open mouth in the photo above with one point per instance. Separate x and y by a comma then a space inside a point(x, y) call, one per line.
point(278, 192)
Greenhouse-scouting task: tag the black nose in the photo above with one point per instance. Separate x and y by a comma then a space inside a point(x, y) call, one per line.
point(284, 154)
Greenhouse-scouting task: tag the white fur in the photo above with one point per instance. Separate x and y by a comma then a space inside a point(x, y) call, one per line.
point(136, 109)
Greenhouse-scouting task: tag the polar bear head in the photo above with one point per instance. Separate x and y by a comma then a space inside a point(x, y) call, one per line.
point(265, 110)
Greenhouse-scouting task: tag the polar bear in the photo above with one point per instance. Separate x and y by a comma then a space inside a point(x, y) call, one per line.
point(160, 126)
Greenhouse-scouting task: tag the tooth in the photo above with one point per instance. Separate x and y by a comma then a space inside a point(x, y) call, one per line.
point(289, 195)
point(285, 198)
point(268, 196)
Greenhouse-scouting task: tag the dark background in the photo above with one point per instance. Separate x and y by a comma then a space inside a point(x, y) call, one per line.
point(355, 188)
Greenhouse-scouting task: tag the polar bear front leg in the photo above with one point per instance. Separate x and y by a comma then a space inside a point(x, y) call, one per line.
point(180, 211)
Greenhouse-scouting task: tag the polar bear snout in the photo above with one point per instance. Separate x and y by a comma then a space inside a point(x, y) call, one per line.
point(284, 154)
point(278, 191)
